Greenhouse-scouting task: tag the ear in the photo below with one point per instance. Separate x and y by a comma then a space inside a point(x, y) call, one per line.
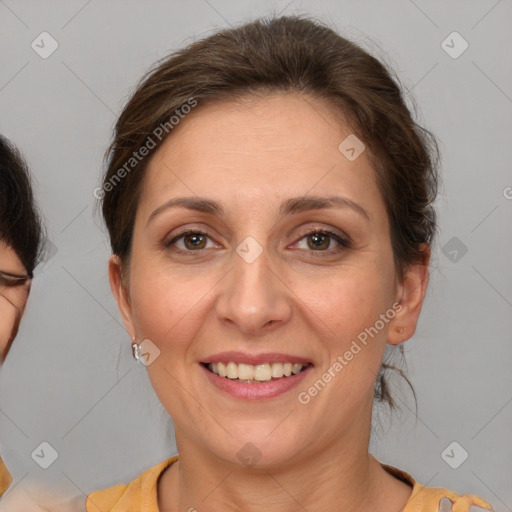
point(121, 293)
point(410, 297)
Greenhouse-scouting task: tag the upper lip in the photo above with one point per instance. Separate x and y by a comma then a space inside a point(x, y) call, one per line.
point(254, 359)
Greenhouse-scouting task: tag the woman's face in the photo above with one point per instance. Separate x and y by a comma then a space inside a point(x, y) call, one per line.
point(13, 296)
point(286, 258)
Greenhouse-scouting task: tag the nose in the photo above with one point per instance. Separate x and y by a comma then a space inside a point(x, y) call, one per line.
point(253, 298)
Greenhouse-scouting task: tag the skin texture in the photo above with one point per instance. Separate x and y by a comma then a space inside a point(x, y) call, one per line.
point(250, 156)
point(13, 298)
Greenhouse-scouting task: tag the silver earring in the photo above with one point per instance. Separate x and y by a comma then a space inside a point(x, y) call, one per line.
point(136, 350)
point(145, 352)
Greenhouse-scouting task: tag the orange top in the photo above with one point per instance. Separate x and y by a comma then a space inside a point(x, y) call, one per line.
point(141, 494)
point(5, 477)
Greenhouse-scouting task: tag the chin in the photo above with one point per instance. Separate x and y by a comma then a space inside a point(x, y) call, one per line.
point(257, 449)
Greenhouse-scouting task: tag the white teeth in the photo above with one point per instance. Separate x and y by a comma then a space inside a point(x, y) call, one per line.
point(232, 370)
point(260, 372)
point(245, 371)
point(222, 370)
point(296, 368)
point(277, 370)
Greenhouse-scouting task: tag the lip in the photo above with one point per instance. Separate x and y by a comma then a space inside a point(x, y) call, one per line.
point(256, 391)
point(254, 359)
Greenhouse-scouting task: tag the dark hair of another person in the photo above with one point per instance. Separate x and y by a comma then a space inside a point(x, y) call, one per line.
point(20, 223)
point(297, 55)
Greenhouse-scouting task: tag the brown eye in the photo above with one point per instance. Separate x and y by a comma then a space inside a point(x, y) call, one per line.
point(318, 241)
point(195, 241)
point(323, 243)
point(190, 241)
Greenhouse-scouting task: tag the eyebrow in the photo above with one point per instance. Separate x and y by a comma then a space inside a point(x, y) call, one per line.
point(290, 206)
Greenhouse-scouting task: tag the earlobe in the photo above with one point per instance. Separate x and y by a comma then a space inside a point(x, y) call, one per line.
point(120, 293)
point(411, 296)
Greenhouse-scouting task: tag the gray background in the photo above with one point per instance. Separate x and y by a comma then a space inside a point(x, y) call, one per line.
point(70, 379)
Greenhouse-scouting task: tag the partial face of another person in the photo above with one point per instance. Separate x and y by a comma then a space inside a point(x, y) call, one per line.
point(257, 241)
point(14, 289)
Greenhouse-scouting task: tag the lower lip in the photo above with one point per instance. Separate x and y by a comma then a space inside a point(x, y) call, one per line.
point(258, 390)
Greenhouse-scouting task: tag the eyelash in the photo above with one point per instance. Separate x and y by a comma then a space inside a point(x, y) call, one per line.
point(343, 243)
point(8, 281)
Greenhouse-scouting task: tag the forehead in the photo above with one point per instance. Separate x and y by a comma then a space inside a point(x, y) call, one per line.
point(274, 146)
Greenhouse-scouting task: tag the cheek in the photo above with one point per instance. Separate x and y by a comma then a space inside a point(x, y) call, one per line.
point(347, 315)
point(349, 301)
point(166, 309)
point(8, 320)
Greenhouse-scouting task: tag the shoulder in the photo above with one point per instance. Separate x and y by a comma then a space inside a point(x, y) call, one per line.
point(36, 496)
point(434, 499)
point(140, 494)
point(437, 498)
point(5, 477)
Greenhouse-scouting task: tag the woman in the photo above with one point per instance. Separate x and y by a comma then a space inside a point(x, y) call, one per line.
point(20, 246)
point(269, 204)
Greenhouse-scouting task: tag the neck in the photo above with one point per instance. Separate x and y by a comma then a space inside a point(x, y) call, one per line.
point(341, 476)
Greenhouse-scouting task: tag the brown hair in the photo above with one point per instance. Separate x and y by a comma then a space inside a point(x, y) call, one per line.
point(286, 54)
point(20, 223)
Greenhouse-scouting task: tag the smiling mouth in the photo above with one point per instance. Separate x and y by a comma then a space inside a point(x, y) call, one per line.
point(259, 373)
